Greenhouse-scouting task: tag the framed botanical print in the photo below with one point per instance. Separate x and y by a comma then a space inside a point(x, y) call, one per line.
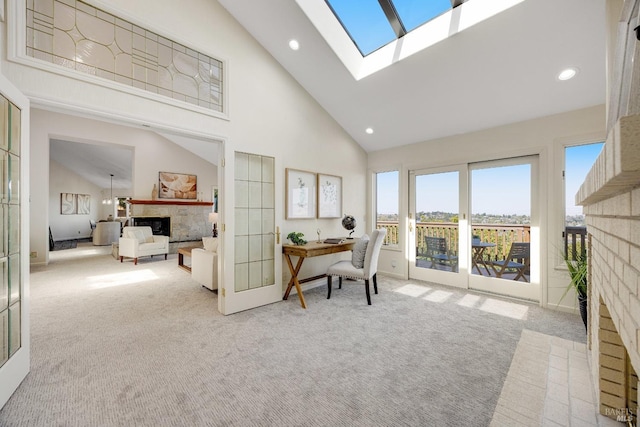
point(301, 194)
point(329, 196)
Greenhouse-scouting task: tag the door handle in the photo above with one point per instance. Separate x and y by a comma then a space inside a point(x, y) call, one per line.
point(277, 235)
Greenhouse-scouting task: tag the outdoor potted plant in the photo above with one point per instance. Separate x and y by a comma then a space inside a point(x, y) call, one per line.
point(578, 272)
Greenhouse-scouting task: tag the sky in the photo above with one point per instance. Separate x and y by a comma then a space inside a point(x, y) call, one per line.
point(497, 190)
point(367, 25)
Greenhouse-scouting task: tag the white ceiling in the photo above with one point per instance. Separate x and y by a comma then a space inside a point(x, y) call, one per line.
point(95, 162)
point(500, 71)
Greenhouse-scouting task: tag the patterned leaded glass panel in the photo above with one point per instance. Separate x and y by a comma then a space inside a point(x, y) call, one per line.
point(75, 35)
point(10, 280)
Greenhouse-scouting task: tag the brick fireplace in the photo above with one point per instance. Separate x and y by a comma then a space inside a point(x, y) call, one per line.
point(188, 220)
point(611, 199)
point(610, 196)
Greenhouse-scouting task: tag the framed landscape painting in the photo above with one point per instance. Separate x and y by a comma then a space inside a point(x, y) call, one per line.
point(177, 186)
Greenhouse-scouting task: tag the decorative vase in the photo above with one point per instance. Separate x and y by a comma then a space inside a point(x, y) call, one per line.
point(154, 192)
point(582, 302)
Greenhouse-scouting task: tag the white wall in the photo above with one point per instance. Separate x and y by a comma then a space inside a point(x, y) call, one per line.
point(269, 113)
point(63, 180)
point(545, 136)
point(152, 153)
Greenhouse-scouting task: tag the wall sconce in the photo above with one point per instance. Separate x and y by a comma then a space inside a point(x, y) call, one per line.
point(213, 218)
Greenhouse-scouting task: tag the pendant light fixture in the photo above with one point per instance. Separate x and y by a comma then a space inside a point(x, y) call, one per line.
point(109, 201)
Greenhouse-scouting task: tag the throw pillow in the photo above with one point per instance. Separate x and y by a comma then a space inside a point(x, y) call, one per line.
point(149, 239)
point(359, 251)
point(210, 244)
point(139, 236)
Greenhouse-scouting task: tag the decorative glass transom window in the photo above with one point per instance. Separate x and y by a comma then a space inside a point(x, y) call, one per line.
point(75, 35)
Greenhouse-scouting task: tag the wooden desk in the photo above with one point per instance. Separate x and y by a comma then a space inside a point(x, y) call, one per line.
point(182, 252)
point(311, 249)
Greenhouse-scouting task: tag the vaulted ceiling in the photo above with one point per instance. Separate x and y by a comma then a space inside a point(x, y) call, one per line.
point(499, 71)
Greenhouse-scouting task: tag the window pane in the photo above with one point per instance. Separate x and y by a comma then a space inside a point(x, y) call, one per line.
point(578, 161)
point(414, 13)
point(365, 22)
point(387, 185)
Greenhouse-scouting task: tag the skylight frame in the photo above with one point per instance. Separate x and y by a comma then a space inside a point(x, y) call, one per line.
point(394, 19)
point(457, 20)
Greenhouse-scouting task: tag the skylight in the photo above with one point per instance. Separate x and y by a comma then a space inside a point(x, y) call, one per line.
point(372, 24)
point(370, 35)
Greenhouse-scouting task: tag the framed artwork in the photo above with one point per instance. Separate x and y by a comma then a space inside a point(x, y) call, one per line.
point(214, 198)
point(68, 204)
point(177, 186)
point(301, 194)
point(329, 196)
point(84, 204)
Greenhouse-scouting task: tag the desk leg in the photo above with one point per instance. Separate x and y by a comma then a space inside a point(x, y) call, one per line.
point(294, 280)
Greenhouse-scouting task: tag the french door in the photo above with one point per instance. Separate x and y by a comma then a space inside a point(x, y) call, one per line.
point(437, 223)
point(252, 276)
point(504, 227)
point(14, 239)
point(477, 226)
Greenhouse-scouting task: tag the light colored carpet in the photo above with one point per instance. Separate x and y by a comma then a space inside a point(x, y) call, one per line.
point(117, 345)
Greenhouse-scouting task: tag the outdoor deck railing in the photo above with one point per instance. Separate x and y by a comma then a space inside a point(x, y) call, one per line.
point(500, 234)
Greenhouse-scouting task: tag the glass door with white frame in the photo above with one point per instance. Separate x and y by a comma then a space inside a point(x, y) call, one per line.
point(504, 233)
point(257, 277)
point(436, 219)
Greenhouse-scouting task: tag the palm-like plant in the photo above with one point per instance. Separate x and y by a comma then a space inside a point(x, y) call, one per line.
point(578, 271)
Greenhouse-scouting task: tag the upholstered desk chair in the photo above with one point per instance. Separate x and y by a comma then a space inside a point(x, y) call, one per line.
point(359, 269)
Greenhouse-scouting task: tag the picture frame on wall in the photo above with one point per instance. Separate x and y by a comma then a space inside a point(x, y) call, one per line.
point(177, 186)
point(84, 204)
point(329, 196)
point(68, 204)
point(301, 194)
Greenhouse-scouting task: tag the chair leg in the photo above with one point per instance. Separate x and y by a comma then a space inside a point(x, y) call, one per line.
point(366, 286)
point(135, 261)
point(165, 257)
point(340, 282)
point(121, 258)
point(329, 280)
point(375, 283)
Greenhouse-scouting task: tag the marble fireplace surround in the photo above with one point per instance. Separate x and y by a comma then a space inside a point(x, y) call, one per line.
point(189, 219)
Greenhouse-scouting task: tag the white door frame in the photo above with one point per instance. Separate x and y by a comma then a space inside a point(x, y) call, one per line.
point(532, 290)
point(444, 277)
point(17, 367)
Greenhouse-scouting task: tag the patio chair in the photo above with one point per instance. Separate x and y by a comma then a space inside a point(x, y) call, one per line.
point(438, 253)
point(517, 261)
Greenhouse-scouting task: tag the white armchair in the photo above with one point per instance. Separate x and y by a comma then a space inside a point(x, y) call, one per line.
point(140, 241)
point(204, 263)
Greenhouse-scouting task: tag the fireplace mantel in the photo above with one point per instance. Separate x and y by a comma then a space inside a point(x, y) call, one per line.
point(169, 202)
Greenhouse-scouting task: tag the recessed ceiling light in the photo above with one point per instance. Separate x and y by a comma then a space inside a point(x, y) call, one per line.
point(568, 73)
point(369, 131)
point(293, 44)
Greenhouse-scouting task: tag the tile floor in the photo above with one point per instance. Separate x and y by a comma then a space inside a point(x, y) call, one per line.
point(548, 384)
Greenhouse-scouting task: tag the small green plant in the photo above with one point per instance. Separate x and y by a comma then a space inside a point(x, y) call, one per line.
point(578, 271)
point(296, 238)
